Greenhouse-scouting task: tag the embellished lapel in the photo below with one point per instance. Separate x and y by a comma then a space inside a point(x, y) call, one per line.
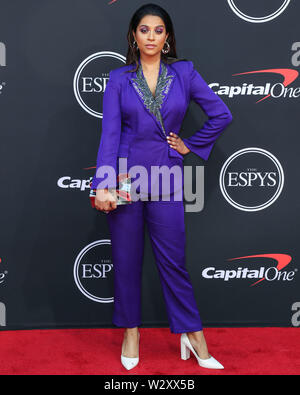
point(154, 105)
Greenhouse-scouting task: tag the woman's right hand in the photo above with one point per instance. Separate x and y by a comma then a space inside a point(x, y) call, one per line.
point(105, 200)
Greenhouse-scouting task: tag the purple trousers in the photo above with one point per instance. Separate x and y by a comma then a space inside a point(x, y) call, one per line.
point(165, 223)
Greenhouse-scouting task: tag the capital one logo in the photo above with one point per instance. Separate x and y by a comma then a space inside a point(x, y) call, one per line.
point(89, 83)
point(68, 182)
point(269, 10)
point(260, 274)
point(268, 90)
point(93, 272)
point(251, 179)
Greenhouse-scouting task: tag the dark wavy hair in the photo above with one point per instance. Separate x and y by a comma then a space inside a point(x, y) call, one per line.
point(156, 10)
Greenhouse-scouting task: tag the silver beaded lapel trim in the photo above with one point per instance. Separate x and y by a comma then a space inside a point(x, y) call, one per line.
point(153, 104)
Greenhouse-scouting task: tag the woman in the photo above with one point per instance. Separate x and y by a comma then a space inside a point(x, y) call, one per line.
point(144, 105)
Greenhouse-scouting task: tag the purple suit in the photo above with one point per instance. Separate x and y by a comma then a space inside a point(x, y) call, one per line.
point(135, 126)
point(131, 130)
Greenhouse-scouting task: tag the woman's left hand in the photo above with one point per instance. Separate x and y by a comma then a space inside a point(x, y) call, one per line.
point(176, 143)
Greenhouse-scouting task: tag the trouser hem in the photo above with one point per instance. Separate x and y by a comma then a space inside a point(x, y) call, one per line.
point(186, 330)
point(126, 325)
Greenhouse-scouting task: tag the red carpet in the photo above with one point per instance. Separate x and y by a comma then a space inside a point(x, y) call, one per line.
point(250, 351)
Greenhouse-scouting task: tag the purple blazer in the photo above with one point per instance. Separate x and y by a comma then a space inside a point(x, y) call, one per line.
point(132, 126)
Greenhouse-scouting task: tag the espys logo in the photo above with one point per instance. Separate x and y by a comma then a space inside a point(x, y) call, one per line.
point(270, 274)
point(269, 10)
point(93, 272)
point(89, 84)
point(251, 179)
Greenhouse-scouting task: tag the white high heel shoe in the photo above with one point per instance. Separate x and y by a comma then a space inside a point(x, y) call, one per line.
point(129, 363)
point(186, 348)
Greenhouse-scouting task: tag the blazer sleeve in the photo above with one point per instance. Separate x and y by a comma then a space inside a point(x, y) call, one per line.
point(219, 116)
point(110, 136)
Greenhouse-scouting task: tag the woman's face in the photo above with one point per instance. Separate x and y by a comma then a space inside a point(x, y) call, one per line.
point(150, 31)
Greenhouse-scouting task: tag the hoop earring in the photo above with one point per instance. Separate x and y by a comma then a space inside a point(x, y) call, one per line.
point(135, 46)
point(165, 51)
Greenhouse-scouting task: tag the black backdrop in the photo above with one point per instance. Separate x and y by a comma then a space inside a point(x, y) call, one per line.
point(55, 56)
